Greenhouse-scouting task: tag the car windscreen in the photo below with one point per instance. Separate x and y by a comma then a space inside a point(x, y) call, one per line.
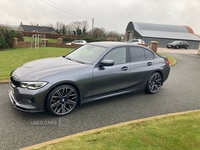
point(176, 42)
point(86, 54)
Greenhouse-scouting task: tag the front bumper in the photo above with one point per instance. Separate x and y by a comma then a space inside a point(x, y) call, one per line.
point(170, 46)
point(28, 100)
point(22, 106)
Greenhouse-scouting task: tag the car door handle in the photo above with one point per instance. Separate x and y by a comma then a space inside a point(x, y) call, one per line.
point(124, 69)
point(149, 63)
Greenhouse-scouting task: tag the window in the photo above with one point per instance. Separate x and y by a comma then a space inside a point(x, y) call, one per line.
point(137, 54)
point(140, 54)
point(149, 55)
point(118, 55)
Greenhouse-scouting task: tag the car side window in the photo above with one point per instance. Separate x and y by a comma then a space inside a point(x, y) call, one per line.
point(149, 55)
point(137, 54)
point(118, 55)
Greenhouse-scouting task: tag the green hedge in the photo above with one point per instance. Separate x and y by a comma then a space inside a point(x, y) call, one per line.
point(6, 37)
point(19, 36)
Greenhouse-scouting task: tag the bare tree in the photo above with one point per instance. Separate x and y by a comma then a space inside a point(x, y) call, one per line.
point(85, 26)
point(69, 29)
point(58, 27)
point(33, 23)
point(79, 28)
point(76, 27)
point(49, 25)
point(99, 33)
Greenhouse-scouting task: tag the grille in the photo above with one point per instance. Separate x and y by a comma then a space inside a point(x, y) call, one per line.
point(14, 81)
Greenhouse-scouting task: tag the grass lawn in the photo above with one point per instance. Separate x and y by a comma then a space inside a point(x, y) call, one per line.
point(170, 132)
point(171, 59)
point(11, 59)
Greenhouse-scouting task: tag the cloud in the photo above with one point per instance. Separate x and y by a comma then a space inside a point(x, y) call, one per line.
point(113, 15)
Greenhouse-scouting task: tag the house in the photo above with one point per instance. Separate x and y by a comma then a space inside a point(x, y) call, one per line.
point(36, 29)
point(162, 33)
point(111, 38)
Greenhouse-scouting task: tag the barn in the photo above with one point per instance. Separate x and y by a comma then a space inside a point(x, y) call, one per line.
point(162, 33)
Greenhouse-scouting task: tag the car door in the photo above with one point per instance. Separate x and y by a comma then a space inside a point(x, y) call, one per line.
point(141, 66)
point(111, 78)
point(181, 45)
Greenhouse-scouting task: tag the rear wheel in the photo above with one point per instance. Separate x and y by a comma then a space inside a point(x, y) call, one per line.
point(177, 47)
point(154, 83)
point(62, 100)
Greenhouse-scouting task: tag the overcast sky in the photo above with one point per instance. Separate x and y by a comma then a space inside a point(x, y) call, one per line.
point(113, 15)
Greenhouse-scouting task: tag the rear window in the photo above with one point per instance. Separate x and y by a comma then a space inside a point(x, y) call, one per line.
point(149, 55)
point(137, 54)
point(140, 54)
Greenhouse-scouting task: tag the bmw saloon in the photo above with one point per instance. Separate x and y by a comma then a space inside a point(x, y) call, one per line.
point(91, 72)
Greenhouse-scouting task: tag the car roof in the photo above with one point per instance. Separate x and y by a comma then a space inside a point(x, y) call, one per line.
point(112, 44)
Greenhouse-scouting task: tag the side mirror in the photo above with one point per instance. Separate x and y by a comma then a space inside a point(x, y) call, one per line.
point(107, 62)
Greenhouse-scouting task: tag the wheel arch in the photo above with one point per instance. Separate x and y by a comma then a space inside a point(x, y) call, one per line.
point(147, 89)
point(159, 71)
point(60, 84)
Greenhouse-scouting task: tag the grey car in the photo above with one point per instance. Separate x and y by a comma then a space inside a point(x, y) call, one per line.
point(91, 72)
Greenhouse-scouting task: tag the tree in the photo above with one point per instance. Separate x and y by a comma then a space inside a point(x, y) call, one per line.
point(69, 29)
point(84, 26)
point(63, 31)
point(115, 34)
point(6, 37)
point(79, 28)
point(99, 33)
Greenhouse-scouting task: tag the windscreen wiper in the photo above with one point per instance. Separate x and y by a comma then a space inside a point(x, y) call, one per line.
point(79, 61)
point(68, 58)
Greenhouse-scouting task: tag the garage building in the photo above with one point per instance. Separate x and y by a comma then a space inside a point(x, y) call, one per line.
point(162, 33)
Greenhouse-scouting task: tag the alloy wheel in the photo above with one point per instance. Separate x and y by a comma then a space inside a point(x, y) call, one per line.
point(62, 100)
point(154, 84)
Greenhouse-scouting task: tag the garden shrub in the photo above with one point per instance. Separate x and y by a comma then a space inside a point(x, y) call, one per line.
point(6, 37)
point(19, 35)
point(68, 39)
point(89, 39)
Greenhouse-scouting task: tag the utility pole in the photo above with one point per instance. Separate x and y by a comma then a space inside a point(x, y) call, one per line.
point(92, 24)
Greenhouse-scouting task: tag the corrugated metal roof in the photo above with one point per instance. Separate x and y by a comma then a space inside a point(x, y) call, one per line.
point(159, 27)
point(164, 31)
point(170, 35)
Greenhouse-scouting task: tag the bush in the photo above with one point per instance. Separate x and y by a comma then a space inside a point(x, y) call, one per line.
point(68, 39)
point(19, 36)
point(88, 39)
point(6, 37)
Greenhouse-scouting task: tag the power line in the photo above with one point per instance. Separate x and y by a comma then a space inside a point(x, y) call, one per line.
point(58, 7)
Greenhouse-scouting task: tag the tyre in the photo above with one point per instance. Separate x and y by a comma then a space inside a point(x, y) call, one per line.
point(177, 47)
point(62, 100)
point(154, 83)
point(186, 47)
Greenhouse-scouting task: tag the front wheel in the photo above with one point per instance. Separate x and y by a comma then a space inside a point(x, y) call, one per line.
point(62, 100)
point(154, 83)
point(177, 47)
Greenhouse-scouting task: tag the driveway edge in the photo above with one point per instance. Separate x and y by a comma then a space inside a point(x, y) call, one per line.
point(174, 63)
point(4, 81)
point(40, 145)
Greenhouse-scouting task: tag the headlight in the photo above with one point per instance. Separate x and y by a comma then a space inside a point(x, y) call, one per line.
point(32, 85)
